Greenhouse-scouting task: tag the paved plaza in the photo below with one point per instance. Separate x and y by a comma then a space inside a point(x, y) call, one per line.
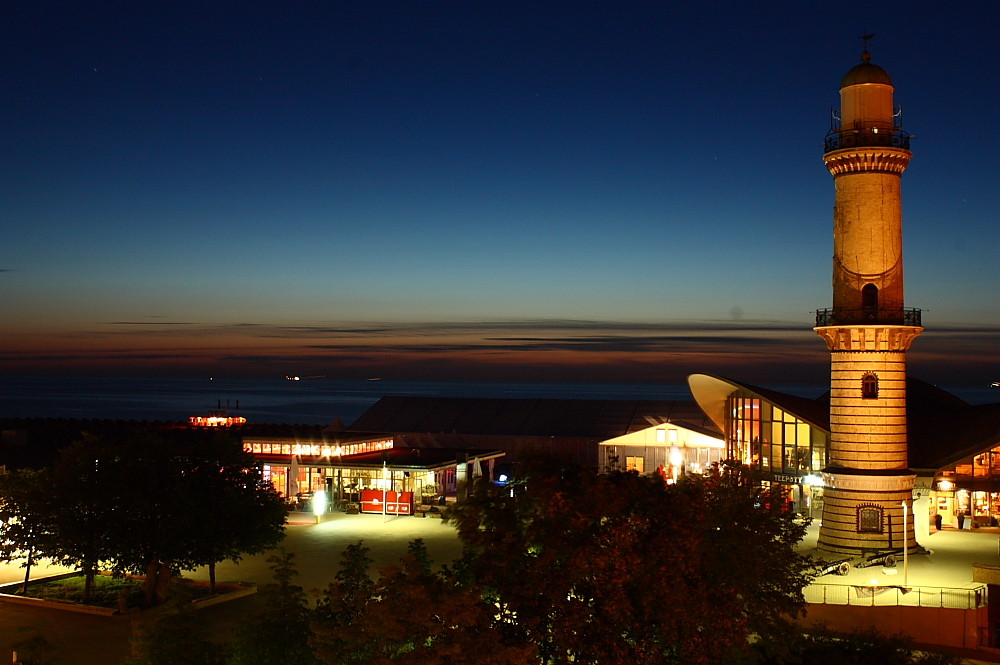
point(947, 564)
point(81, 639)
point(317, 547)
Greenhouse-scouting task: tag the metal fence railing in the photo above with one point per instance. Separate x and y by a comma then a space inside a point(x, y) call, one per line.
point(837, 139)
point(963, 598)
point(833, 316)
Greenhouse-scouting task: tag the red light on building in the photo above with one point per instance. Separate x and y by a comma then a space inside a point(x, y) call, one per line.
point(216, 420)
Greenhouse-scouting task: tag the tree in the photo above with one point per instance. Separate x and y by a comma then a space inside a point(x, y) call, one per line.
point(203, 474)
point(411, 616)
point(118, 504)
point(281, 633)
point(24, 514)
point(239, 511)
point(152, 525)
point(344, 604)
point(84, 508)
point(625, 568)
point(821, 646)
point(175, 635)
point(156, 502)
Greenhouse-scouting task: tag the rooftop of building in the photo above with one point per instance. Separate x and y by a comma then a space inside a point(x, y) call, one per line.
point(398, 458)
point(590, 419)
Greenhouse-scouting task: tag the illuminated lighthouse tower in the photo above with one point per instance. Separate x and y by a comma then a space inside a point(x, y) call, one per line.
point(869, 486)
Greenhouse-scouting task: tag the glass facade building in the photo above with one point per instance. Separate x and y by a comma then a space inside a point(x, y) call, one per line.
point(769, 432)
point(776, 441)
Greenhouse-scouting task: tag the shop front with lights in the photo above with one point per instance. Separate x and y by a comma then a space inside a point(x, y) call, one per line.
point(670, 449)
point(368, 474)
point(967, 494)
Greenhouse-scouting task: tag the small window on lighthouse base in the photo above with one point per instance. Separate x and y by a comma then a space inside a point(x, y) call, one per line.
point(869, 519)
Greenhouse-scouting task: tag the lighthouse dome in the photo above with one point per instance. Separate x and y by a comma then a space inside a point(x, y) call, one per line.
point(866, 72)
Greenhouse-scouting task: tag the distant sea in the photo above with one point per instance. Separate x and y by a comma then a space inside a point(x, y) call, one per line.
point(308, 401)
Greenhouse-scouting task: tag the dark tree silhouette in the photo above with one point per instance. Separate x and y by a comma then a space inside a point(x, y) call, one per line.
point(238, 511)
point(410, 616)
point(280, 633)
point(149, 503)
point(622, 567)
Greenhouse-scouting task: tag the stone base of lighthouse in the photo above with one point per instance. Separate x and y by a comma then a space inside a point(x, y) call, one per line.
point(864, 512)
point(868, 480)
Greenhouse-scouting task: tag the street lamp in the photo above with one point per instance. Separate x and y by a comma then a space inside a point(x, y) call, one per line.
point(319, 504)
point(906, 548)
point(385, 476)
point(676, 462)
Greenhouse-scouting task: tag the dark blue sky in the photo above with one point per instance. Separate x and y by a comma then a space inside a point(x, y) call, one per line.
point(550, 190)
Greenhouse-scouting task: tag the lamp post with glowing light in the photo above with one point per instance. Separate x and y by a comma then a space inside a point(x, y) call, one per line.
point(385, 476)
point(676, 463)
point(319, 504)
point(906, 549)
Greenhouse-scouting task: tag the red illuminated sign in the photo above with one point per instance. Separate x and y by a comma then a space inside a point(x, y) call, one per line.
point(396, 503)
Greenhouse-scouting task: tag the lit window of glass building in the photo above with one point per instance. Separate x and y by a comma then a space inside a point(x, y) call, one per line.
point(784, 437)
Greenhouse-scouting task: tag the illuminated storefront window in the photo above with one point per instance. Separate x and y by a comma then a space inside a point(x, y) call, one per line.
point(269, 448)
point(771, 439)
point(635, 464)
point(971, 488)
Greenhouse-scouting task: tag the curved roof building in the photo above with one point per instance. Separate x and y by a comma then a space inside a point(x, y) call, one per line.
point(954, 446)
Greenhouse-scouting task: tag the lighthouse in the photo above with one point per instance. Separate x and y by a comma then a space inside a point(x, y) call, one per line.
point(868, 485)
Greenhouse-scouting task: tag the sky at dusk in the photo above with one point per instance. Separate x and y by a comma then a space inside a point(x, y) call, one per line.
point(550, 191)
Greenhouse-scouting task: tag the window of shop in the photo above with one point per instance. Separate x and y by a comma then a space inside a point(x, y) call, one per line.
point(278, 475)
point(635, 464)
point(977, 483)
point(743, 438)
point(766, 436)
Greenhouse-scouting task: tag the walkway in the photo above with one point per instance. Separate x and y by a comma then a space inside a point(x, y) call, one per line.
point(948, 563)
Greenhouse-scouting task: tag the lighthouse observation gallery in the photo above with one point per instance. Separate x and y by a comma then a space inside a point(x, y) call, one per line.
point(868, 492)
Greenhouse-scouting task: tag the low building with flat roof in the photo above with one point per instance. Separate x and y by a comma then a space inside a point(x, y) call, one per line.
point(597, 433)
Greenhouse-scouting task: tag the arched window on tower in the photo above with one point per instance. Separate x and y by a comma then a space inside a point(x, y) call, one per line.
point(869, 386)
point(869, 301)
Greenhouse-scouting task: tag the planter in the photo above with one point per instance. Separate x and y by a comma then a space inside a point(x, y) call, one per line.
point(224, 593)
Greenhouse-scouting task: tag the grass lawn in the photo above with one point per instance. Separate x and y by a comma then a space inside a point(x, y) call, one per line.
point(105, 591)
